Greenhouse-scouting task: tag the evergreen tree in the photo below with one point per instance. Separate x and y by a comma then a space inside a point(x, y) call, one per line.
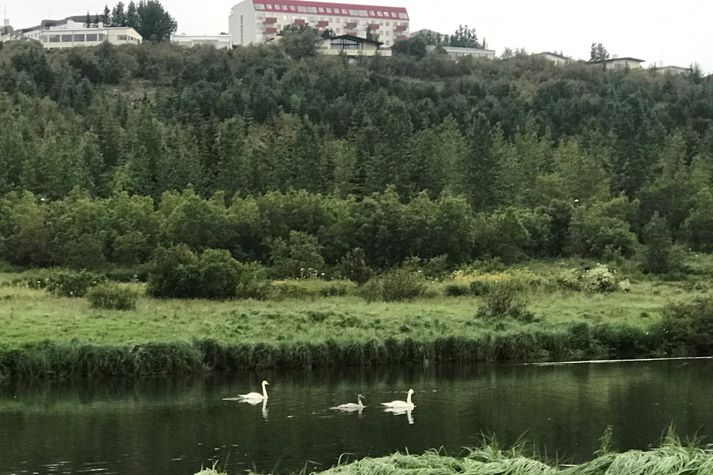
point(155, 24)
point(657, 238)
point(465, 37)
point(598, 52)
point(118, 16)
point(133, 19)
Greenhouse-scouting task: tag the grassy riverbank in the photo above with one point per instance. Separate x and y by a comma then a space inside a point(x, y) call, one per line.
point(671, 458)
point(44, 335)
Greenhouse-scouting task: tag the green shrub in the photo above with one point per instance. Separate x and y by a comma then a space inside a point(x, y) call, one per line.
point(568, 279)
point(219, 275)
point(687, 328)
point(253, 282)
point(657, 238)
point(177, 272)
point(457, 290)
point(33, 279)
point(288, 290)
point(353, 267)
point(73, 284)
point(336, 289)
point(479, 287)
point(297, 257)
point(174, 273)
point(504, 299)
point(113, 297)
point(599, 279)
point(395, 285)
point(137, 273)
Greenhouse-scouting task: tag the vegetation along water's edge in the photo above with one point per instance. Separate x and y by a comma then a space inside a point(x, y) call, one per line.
point(544, 311)
point(671, 457)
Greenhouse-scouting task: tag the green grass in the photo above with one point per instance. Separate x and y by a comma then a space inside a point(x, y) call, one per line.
point(672, 458)
point(45, 335)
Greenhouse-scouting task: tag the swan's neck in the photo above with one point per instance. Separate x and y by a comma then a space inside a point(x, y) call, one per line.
point(408, 398)
point(264, 391)
point(359, 403)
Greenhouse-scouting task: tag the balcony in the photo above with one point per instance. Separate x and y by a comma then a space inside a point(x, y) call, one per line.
point(351, 25)
point(322, 24)
point(270, 20)
point(270, 30)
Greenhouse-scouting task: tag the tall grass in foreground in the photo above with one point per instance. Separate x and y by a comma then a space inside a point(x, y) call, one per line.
point(671, 458)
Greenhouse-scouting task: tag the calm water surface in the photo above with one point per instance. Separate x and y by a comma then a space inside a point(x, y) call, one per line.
point(174, 427)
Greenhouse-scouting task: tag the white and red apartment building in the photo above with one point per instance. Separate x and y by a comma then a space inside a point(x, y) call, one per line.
point(258, 21)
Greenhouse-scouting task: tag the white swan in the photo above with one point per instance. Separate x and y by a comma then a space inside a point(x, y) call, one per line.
point(351, 406)
point(254, 398)
point(401, 405)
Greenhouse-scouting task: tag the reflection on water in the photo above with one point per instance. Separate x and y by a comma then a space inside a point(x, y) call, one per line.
point(174, 426)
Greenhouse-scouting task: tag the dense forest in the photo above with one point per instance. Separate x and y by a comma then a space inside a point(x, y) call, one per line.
point(109, 153)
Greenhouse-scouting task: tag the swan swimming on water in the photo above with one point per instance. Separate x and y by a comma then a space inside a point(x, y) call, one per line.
point(255, 396)
point(401, 405)
point(251, 398)
point(351, 406)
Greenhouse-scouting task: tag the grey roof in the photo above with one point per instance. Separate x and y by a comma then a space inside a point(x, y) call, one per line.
point(552, 54)
point(622, 58)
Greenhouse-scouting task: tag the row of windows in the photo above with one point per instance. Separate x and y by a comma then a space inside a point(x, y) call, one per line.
point(330, 11)
point(83, 38)
point(337, 29)
point(92, 37)
point(336, 20)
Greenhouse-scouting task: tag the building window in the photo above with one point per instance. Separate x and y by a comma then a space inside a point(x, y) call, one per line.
point(101, 37)
point(91, 37)
point(54, 38)
point(259, 6)
point(79, 38)
point(66, 38)
point(123, 38)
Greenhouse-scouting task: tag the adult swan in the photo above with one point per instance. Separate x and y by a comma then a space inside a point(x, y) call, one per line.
point(350, 406)
point(256, 396)
point(400, 405)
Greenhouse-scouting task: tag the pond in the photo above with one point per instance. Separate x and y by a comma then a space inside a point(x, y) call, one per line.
point(175, 427)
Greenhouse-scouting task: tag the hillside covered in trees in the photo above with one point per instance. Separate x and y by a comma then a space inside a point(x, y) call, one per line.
point(107, 154)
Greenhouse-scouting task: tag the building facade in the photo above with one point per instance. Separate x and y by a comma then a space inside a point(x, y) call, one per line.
point(457, 52)
point(70, 33)
point(259, 21)
point(555, 58)
point(217, 41)
point(675, 70)
point(351, 46)
point(617, 64)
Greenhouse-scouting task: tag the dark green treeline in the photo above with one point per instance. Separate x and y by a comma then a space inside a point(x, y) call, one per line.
point(397, 156)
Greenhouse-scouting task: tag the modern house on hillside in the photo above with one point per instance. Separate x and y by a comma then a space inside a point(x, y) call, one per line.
point(352, 46)
point(221, 41)
point(260, 21)
point(617, 64)
point(73, 31)
point(555, 58)
point(456, 52)
point(675, 70)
